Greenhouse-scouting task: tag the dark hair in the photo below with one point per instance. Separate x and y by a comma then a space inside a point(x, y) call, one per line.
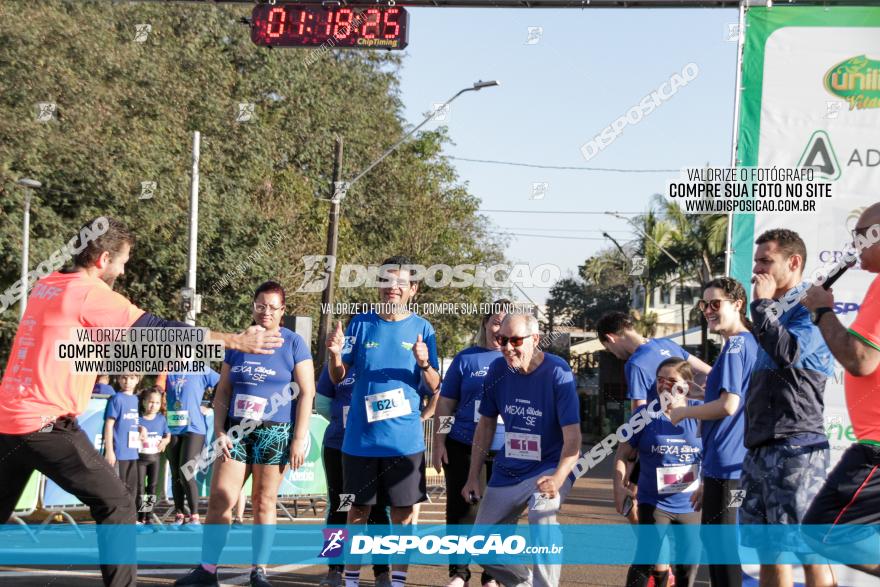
point(149, 391)
point(398, 260)
point(498, 306)
point(788, 241)
point(613, 323)
point(735, 291)
point(112, 241)
point(271, 287)
point(681, 366)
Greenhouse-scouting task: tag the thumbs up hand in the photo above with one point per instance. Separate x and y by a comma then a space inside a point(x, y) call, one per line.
point(336, 340)
point(420, 352)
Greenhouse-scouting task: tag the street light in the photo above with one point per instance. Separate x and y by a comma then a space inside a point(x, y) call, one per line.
point(28, 184)
point(340, 188)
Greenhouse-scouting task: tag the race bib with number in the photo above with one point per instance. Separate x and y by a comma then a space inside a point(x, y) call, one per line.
point(178, 418)
point(387, 405)
point(150, 445)
point(249, 407)
point(134, 439)
point(678, 479)
point(345, 416)
point(518, 445)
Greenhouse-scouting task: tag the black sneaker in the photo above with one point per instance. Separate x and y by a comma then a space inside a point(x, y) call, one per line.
point(258, 578)
point(199, 577)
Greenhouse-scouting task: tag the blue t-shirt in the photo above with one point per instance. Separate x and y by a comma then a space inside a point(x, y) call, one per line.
point(384, 419)
point(341, 396)
point(641, 368)
point(123, 407)
point(669, 457)
point(261, 383)
point(183, 396)
point(535, 408)
point(157, 428)
point(464, 383)
point(104, 389)
point(723, 448)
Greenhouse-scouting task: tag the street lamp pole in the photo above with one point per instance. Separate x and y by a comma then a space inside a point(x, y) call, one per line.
point(339, 190)
point(28, 184)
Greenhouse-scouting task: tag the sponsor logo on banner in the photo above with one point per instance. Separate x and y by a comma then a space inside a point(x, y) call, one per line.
point(820, 155)
point(857, 80)
point(334, 542)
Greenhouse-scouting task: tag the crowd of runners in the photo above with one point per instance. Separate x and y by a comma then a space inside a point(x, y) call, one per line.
point(749, 425)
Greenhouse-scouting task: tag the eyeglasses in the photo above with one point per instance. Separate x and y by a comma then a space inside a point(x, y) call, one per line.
point(515, 341)
point(261, 308)
point(714, 304)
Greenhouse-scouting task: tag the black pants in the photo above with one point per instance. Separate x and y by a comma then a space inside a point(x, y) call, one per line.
point(148, 477)
point(459, 511)
point(685, 575)
point(182, 449)
point(66, 456)
point(128, 473)
point(717, 499)
point(378, 513)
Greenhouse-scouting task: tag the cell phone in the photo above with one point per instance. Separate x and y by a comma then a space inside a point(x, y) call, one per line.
point(627, 505)
point(473, 498)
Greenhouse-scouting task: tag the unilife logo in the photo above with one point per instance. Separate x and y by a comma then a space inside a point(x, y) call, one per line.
point(334, 542)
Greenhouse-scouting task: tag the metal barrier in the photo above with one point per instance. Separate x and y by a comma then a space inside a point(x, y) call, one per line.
point(433, 479)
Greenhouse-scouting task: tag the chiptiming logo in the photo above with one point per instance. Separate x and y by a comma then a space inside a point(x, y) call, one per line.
point(334, 542)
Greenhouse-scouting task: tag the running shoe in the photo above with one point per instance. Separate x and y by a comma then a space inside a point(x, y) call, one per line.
point(199, 577)
point(383, 580)
point(457, 581)
point(333, 579)
point(258, 578)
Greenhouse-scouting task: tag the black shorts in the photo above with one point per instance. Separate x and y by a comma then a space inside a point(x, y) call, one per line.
point(851, 495)
point(397, 481)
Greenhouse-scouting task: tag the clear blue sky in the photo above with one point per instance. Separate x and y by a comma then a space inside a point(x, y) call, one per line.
point(589, 67)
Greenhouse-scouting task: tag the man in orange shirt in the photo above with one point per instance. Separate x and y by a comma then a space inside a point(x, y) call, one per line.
point(850, 497)
point(41, 396)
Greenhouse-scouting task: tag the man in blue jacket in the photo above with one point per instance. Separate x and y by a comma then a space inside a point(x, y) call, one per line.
point(788, 452)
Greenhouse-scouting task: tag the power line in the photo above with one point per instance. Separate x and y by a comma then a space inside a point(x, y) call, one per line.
point(554, 229)
point(574, 238)
point(563, 167)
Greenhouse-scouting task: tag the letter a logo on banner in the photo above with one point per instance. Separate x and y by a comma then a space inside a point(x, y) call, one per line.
point(820, 155)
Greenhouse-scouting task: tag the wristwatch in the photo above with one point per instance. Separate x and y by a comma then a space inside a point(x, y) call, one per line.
point(816, 315)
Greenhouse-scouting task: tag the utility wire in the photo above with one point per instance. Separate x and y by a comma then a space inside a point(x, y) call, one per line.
point(563, 167)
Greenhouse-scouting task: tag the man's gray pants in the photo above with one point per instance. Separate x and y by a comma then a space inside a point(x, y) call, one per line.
point(503, 505)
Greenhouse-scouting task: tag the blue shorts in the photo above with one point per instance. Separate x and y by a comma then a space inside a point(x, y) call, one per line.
point(268, 444)
point(780, 482)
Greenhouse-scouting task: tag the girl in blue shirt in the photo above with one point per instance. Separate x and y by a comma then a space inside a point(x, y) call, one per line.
point(155, 436)
point(261, 424)
point(460, 397)
point(670, 457)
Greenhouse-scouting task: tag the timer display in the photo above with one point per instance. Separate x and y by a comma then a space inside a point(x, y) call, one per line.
point(298, 25)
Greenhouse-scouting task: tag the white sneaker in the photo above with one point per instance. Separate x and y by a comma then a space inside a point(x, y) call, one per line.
point(457, 581)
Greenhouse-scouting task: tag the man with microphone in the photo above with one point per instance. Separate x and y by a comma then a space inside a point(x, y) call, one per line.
point(851, 495)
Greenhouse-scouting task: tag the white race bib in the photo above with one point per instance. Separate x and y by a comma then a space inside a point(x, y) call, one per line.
point(345, 416)
point(134, 439)
point(518, 445)
point(387, 405)
point(150, 445)
point(179, 418)
point(249, 407)
point(678, 479)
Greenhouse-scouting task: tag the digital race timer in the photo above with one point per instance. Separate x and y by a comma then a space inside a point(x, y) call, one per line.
point(297, 25)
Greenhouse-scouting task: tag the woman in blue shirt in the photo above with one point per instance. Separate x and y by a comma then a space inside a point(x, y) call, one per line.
point(259, 423)
point(724, 305)
point(460, 396)
point(670, 457)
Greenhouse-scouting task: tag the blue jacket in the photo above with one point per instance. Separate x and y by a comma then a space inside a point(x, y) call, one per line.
point(787, 388)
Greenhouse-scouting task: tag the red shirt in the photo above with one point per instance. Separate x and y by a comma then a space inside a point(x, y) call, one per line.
point(36, 386)
point(863, 393)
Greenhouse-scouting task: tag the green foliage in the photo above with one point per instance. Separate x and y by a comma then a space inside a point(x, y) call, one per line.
point(126, 112)
point(602, 286)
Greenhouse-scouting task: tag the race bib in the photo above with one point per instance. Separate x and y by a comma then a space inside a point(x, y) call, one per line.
point(526, 447)
point(345, 416)
point(678, 479)
point(387, 405)
point(178, 418)
point(134, 439)
point(150, 445)
point(249, 407)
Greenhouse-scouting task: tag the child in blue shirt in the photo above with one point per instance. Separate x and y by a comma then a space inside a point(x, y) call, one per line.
point(122, 438)
point(155, 436)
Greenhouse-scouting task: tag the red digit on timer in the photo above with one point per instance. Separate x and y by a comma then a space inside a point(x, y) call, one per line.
point(301, 23)
point(371, 24)
point(275, 17)
point(391, 12)
point(343, 23)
